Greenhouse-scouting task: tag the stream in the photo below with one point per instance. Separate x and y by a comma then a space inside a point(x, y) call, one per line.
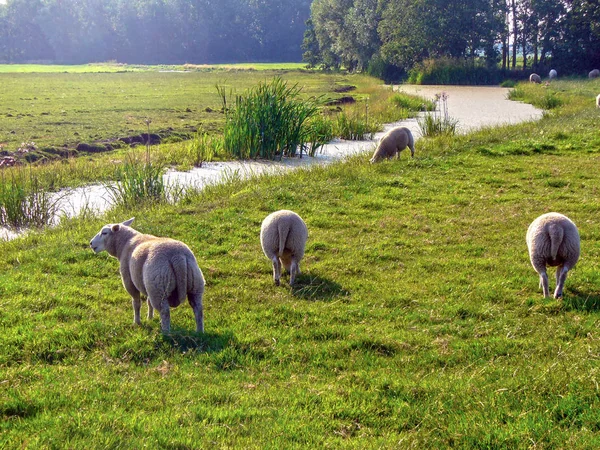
point(473, 106)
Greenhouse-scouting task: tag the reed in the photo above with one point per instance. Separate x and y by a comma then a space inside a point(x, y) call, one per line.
point(269, 121)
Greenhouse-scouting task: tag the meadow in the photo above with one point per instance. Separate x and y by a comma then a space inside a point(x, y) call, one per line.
point(417, 321)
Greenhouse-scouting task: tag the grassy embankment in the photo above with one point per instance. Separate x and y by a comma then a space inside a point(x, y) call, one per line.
point(417, 323)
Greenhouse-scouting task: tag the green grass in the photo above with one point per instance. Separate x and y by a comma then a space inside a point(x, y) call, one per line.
point(417, 321)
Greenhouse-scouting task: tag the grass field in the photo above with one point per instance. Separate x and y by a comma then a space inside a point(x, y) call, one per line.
point(417, 322)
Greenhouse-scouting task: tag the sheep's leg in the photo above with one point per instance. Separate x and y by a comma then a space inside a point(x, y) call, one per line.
point(561, 276)
point(544, 283)
point(195, 301)
point(165, 316)
point(276, 270)
point(294, 270)
point(150, 310)
point(136, 302)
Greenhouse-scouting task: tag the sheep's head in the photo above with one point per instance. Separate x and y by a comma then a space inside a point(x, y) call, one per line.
point(103, 240)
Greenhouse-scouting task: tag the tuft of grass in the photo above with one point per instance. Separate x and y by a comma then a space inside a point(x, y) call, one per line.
point(24, 203)
point(438, 122)
point(203, 147)
point(137, 181)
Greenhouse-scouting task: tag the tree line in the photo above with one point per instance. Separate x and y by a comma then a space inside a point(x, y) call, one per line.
point(506, 34)
point(152, 31)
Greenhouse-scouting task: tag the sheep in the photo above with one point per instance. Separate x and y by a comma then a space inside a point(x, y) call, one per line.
point(283, 237)
point(552, 74)
point(553, 240)
point(393, 142)
point(594, 73)
point(163, 269)
point(598, 101)
point(535, 78)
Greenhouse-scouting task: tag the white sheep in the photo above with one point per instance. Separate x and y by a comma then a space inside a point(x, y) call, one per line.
point(598, 101)
point(552, 74)
point(594, 73)
point(535, 78)
point(163, 269)
point(553, 240)
point(283, 237)
point(393, 142)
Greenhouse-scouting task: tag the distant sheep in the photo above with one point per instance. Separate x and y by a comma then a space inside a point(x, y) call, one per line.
point(393, 142)
point(594, 73)
point(163, 269)
point(553, 240)
point(535, 78)
point(552, 74)
point(598, 101)
point(283, 237)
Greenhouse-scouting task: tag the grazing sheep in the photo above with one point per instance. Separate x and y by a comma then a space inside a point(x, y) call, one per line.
point(393, 142)
point(283, 237)
point(598, 101)
point(535, 78)
point(594, 73)
point(163, 269)
point(552, 74)
point(553, 240)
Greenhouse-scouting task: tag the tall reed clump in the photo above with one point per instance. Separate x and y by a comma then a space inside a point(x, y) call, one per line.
point(269, 121)
point(438, 122)
point(138, 180)
point(23, 201)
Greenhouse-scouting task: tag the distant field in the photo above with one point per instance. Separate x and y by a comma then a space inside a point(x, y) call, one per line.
point(87, 104)
point(116, 67)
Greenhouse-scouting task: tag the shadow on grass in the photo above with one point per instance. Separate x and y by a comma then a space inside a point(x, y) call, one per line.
point(311, 287)
point(581, 301)
point(184, 341)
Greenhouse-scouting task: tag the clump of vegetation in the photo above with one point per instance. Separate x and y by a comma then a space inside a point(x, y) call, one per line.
point(203, 147)
point(411, 103)
point(355, 126)
point(321, 131)
point(541, 96)
point(138, 181)
point(269, 121)
point(23, 201)
point(439, 121)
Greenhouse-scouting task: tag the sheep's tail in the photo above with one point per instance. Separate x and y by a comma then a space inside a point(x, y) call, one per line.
point(556, 233)
point(411, 144)
point(179, 264)
point(283, 231)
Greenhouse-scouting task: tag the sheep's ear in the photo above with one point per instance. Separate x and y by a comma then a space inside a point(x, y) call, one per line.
point(115, 227)
point(128, 222)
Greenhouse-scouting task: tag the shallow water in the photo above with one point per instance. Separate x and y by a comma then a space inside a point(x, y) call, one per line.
point(473, 106)
point(478, 106)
